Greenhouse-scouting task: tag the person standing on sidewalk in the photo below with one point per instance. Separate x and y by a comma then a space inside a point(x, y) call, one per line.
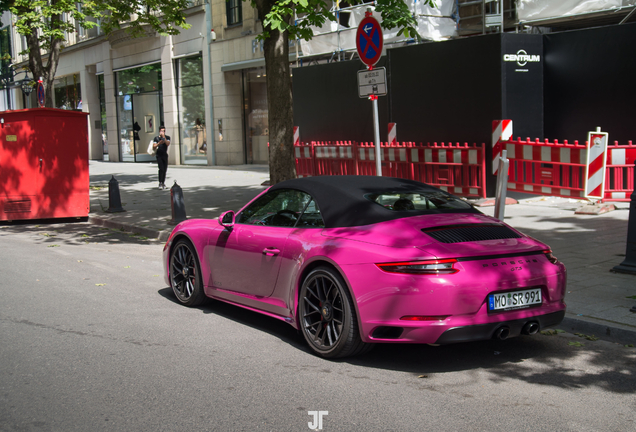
point(161, 144)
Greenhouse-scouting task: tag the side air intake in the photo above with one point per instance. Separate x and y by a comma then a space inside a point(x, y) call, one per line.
point(470, 233)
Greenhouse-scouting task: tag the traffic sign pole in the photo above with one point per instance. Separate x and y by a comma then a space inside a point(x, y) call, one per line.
point(376, 135)
point(369, 43)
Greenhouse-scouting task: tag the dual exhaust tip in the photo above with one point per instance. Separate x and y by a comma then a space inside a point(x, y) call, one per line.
point(529, 328)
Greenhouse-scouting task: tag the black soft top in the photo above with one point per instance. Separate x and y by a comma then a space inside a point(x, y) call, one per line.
point(342, 201)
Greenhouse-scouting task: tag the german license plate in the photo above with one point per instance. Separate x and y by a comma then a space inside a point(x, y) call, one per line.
point(514, 300)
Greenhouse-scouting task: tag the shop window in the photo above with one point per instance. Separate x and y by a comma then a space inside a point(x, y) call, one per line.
point(68, 92)
point(139, 111)
point(256, 116)
point(102, 110)
point(142, 79)
point(191, 96)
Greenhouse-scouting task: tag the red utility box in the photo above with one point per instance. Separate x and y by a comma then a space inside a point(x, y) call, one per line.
point(43, 164)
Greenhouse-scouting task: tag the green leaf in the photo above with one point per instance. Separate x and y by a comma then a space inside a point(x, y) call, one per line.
point(549, 332)
point(576, 344)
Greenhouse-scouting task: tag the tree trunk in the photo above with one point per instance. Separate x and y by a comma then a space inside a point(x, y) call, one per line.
point(282, 165)
point(38, 69)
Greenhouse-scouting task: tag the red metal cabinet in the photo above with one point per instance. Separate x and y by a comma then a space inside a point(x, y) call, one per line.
point(43, 164)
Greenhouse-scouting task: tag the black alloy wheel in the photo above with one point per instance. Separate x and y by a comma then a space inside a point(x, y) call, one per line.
point(327, 316)
point(185, 274)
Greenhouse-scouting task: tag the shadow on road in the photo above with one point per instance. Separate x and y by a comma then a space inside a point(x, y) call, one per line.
point(56, 232)
point(509, 360)
point(271, 326)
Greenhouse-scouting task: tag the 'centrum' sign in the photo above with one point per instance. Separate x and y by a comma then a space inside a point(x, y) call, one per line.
point(522, 58)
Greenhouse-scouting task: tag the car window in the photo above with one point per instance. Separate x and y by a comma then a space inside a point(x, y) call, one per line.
point(281, 207)
point(418, 201)
point(311, 217)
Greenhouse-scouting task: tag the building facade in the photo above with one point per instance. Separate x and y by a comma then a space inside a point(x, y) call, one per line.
point(207, 85)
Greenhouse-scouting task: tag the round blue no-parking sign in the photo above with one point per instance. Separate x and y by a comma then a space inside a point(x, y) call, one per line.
point(369, 41)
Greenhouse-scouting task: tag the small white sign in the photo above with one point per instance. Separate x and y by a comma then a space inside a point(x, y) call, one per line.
point(372, 82)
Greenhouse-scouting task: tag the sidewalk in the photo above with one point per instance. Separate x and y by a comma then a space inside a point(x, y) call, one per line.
point(588, 245)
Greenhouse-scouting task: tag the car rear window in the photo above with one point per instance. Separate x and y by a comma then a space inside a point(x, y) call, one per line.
point(418, 201)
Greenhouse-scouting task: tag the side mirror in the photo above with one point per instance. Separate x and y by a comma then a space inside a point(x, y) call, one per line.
point(227, 219)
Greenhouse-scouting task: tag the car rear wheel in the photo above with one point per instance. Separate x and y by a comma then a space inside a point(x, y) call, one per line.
point(327, 316)
point(185, 274)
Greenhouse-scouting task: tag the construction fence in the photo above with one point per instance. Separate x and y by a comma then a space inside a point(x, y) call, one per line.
point(550, 168)
point(454, 167)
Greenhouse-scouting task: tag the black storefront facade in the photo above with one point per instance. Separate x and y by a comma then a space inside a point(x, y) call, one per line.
point(555, 86)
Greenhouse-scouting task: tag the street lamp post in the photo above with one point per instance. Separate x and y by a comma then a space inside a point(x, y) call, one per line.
point(27, 88)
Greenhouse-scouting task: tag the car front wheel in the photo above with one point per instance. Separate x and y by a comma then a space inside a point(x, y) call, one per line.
point(327, 316)
point(185, 274)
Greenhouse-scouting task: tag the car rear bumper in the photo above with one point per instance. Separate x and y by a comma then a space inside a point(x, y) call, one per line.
point(489, 331)
point(467, 328)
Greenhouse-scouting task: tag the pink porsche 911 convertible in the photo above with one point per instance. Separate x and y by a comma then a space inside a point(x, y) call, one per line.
point(351, 261)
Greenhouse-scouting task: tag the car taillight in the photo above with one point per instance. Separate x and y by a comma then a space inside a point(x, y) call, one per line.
point(550, 256)
point(444, 266)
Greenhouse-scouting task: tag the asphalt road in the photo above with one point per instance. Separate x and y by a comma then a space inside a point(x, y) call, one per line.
point(91, 339)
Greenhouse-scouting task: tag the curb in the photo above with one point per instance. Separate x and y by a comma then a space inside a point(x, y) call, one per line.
point(490, 202)
point(154, 234)
point(602, 331)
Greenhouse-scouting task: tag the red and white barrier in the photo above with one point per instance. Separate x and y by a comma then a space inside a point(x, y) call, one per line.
point(456, 168)
point(596, 162)
point(539, 167)
point(546, 168)
point(619, 176)
point(392, 134)
point(394, 160)
point(501, 131)
point(304, 159)
point(334, 158)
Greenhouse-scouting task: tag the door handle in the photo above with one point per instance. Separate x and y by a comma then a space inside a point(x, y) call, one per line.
point(40, 163)
point(271, 251)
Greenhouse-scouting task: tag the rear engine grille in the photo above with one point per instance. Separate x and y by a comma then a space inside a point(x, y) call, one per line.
point(470, 233)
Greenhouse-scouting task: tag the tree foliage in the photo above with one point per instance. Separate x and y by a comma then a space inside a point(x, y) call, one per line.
point(395, 13)
point(45, 25)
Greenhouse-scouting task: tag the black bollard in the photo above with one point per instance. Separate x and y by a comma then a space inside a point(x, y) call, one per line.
point(114, 200)
point(178, 204)
point(629, 264)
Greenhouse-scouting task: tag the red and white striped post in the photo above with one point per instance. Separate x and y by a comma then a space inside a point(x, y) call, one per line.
point(596, 162)
point(296, 135)
point(392, 134)
point(501, 131)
